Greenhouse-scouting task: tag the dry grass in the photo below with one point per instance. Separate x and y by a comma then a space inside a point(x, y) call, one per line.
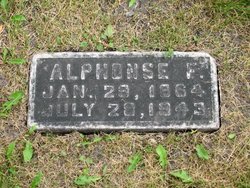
point(59, 25)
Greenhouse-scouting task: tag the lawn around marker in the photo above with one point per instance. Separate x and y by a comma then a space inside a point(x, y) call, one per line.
point(193, 159)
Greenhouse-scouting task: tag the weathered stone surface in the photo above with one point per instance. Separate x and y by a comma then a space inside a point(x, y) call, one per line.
point(123, 91)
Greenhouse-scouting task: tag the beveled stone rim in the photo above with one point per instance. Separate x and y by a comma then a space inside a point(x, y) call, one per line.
point(88, 125)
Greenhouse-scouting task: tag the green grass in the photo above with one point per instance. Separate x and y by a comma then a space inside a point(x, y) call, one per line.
point(219, 27)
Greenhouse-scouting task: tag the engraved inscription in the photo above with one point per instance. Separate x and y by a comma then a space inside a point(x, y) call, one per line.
point(181, 109)
point(63, 92)
point(48, 94)
point(132, 71)
point(129, 109)
point(56, 73)
point(110, 91)
point(131, 91)
point(164, 109)
point(164, 90)
point(200, 109)
point(85, 69)
point(114, 108)
point(180, 90)
point(78, 91)
point(123, 91)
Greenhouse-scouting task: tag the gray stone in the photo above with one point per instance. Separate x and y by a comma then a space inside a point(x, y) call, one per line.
point(111, 91)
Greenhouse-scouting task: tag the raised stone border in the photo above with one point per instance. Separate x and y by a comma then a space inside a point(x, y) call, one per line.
point(92, 126)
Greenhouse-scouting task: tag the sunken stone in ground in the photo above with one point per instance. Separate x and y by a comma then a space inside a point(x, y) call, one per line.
point(109, 91)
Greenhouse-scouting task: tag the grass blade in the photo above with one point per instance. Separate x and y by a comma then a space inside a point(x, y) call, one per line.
point(4, 5)
point(18, 18)
point(32, 129)
point(201, 151)
point(134, 161)
point(28, 152)
point(131, 3)
point(231, 136)
point(10, 150)
point(36, 180)
point(14, 99)
point(182, 175)
point(4, 54)
point(17, 61)
point(109, 31)
point(162, 153)
point(169, 53)
point(83, 44)
point(85, 178)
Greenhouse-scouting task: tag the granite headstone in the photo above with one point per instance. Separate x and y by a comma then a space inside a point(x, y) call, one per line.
point(136, 91)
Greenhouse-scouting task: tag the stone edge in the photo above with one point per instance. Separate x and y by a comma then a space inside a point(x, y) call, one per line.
point(214, 125)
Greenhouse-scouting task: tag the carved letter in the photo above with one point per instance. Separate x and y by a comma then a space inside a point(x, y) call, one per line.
point(132, 72)
point(151, 109)
point(181, 109)
point(116, 71)
point(56, 73)
point(74, 113)
point(101, 71)
point(78, 91)
point(162, 71)
point(123, 91)
point(129, 109)
point(152, 91)
point(164, 109)
point(194, 69)
point(164, 90)
point(86, 68)
point(180, 90)
point(113, 112)
point(197, 90)
point(200, 109)
point(147, 71)
point(69, 76)
point(63, 93)
point(110, 93)
point(50, 94)
point(89, 108)
point(65, 111)
point(47, 112)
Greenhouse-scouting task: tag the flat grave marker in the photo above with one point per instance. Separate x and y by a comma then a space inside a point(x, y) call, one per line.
point(111, 91)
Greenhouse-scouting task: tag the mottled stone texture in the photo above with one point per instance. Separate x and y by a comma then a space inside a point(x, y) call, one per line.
point(123, 91)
